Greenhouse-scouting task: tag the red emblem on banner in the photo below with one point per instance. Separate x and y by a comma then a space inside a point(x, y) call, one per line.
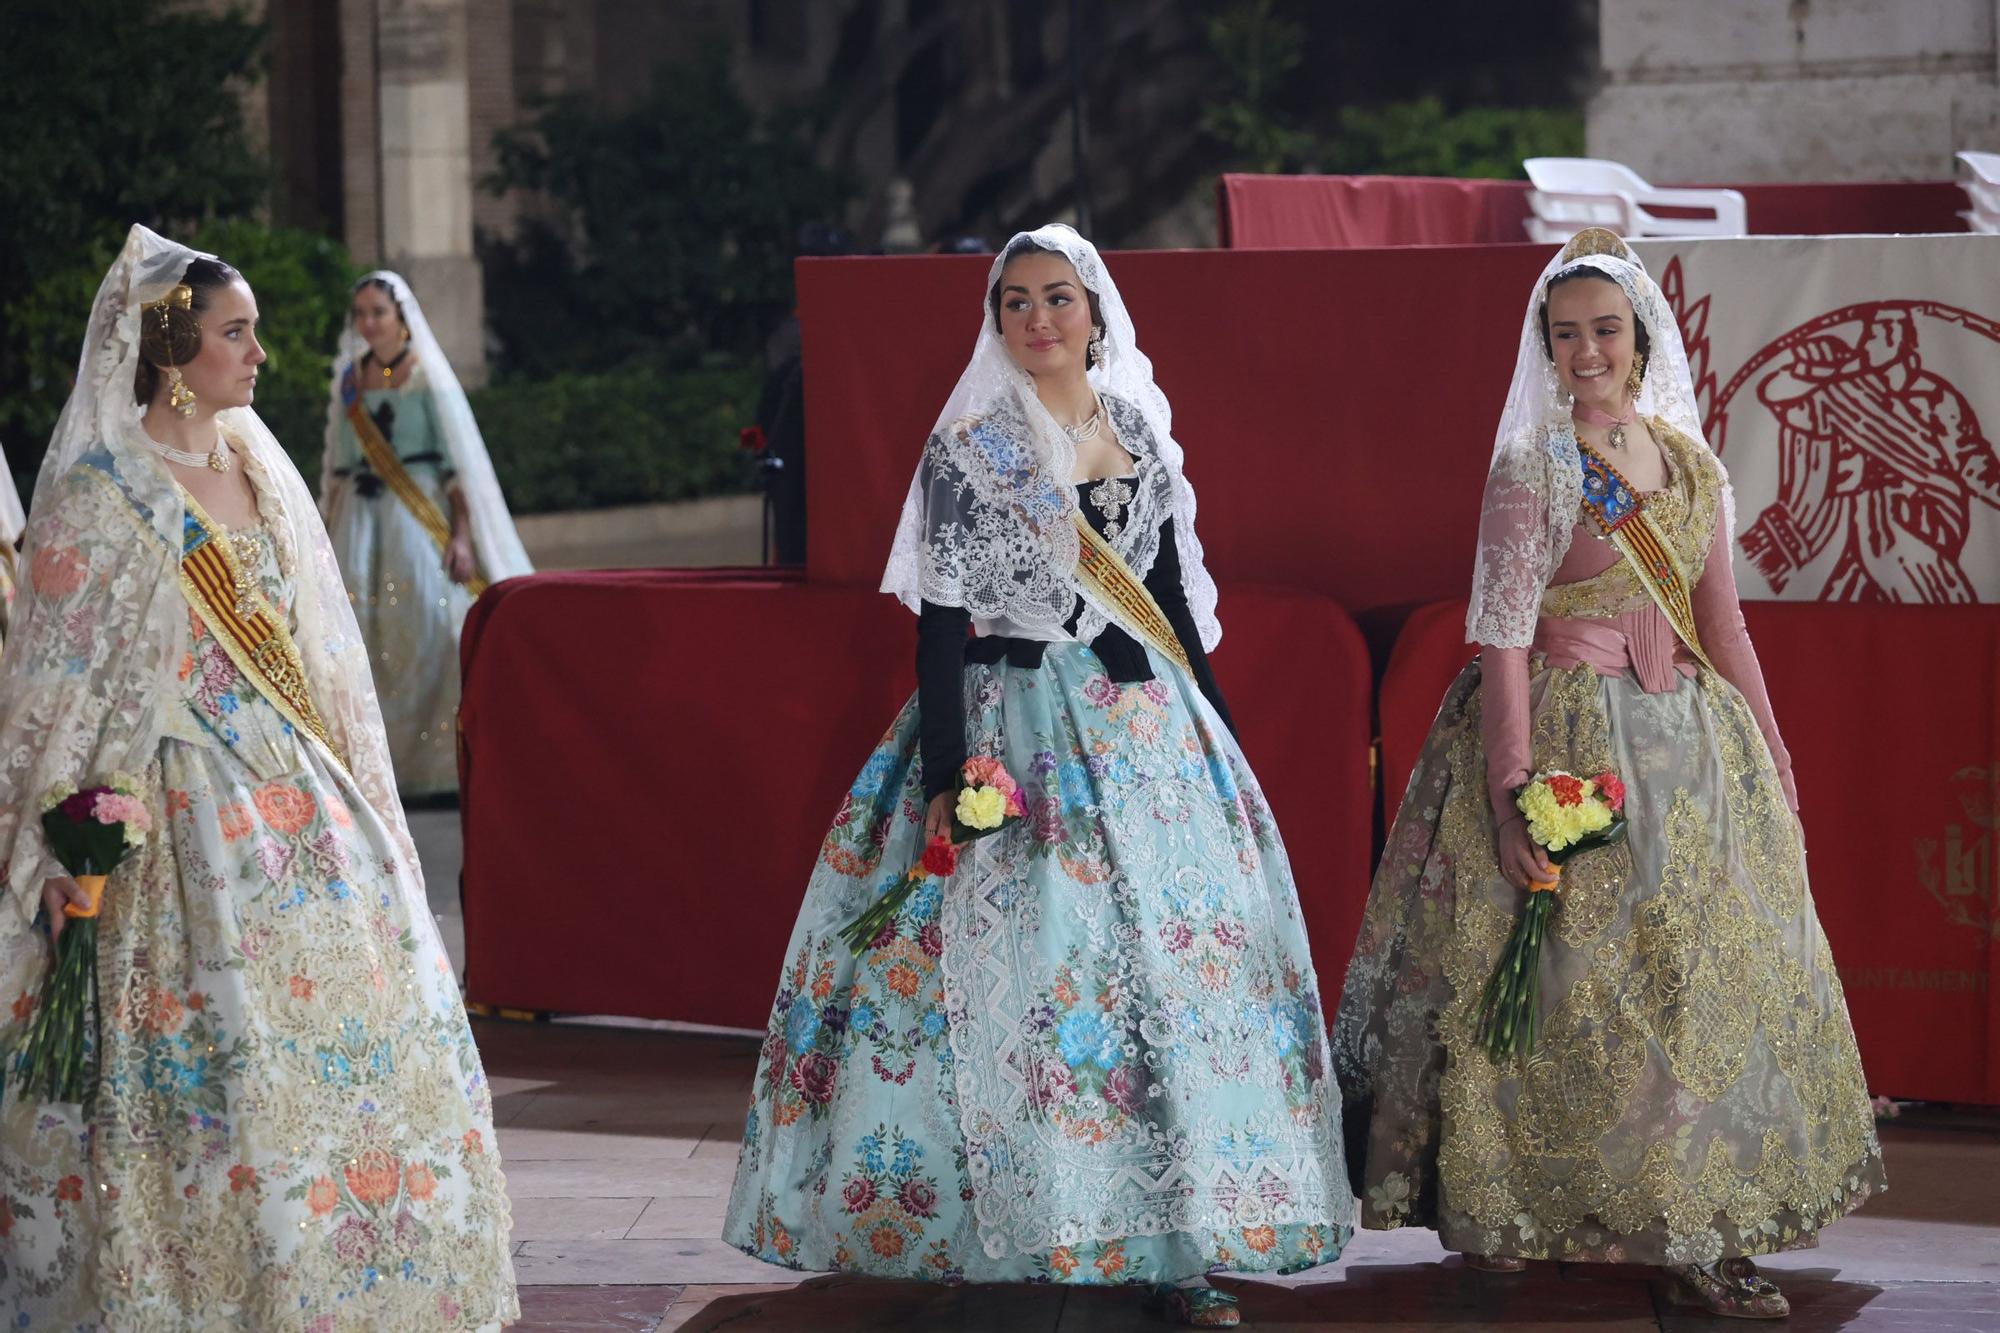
point(1880, 458)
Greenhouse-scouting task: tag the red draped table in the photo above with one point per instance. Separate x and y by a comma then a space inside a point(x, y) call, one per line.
point(650, 761)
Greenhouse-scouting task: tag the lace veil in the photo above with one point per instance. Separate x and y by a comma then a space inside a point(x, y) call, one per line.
point(12, 518)
point(81, 700)
point(1534, 487)
point(494, 540)
point(987, 522)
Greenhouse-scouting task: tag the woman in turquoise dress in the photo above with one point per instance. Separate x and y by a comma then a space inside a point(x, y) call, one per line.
point(289, 1127)
point(1095, 1053)
point(416, 517)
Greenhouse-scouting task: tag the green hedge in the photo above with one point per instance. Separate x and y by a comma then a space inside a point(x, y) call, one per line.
point(300, 280)
point(633, 436)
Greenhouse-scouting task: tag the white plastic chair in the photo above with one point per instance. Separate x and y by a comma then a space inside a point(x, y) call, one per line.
point(1982, 187)
point(1985, 166)
point(1573, 182)
point(1577, 211)
point(1544, 232)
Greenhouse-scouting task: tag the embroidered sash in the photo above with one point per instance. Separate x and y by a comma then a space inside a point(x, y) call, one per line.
point(1111, 581)
point(1620, 514)
point(383, 460)
point(250, 630)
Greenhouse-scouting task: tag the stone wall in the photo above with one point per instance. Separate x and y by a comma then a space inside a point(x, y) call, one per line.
point(1795, 90)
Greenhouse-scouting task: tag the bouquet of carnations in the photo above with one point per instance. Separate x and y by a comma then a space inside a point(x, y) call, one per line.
point(1566, 815)
point(988, 800)
point(89, 833)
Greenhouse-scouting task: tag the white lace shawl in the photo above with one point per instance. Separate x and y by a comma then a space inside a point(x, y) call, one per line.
point(1534, 487)
point(987, 523)
point(494, 539)
point(83, 690)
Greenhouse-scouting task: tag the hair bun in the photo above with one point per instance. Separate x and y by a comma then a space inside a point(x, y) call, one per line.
point(169, 330)
point(1595, 241)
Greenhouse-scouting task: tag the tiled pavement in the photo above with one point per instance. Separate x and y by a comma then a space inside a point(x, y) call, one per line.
point(619, 1145)
point(620, 1142)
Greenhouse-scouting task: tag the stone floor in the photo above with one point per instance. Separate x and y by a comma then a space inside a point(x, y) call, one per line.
point(620, 1141)
point(619, 1144)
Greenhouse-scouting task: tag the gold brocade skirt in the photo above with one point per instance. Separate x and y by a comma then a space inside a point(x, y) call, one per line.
point(1695, 1091)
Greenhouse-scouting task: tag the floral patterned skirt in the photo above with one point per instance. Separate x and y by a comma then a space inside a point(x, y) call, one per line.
point(1695, 1091)
point(293, 1132)
point(410, 613)
point(1095, 1053)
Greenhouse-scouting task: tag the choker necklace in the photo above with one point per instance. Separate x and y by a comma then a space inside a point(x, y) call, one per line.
point(389, 369)
point(1599, 417)
point(1087, 428)
point(216, 460)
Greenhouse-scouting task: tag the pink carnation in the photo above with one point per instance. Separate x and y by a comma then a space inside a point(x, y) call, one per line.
point(1611, 789)
point(117, 808)
point(986, 771)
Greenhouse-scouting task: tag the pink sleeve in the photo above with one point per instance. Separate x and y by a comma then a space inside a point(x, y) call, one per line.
point(1503, 725)
point(1718, 619)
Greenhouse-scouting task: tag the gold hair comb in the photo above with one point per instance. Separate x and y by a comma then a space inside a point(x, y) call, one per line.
point(1595, 241)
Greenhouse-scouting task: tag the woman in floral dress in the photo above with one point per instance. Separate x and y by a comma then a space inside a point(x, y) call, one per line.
point(1694, 1095)
point(290, 1128)
point(1095, 1052)
point(417, 521)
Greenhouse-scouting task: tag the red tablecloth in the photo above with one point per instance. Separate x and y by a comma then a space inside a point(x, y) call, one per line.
point(1293, 405)
point(1892, 715)
point(638, 839)
point(1317, 212)
point(1367, 212)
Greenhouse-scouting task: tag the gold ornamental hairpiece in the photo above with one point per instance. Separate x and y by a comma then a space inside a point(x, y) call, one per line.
point(1595, 241)
point(181, 298)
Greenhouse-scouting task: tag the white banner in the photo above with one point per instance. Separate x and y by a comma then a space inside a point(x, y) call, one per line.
point(1851, 384)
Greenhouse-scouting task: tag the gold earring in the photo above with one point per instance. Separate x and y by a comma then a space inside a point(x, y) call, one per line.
point(180, 397)
point(1637, 379)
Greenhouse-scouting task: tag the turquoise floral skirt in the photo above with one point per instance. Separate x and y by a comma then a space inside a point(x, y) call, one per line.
point(1095, 1053)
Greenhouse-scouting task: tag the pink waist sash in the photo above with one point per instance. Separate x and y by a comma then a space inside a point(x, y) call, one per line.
point(1639, 641)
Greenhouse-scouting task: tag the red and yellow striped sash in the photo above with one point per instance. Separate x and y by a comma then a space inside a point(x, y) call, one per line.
point(250, 630)
point(385, 463)
point(1620, 513)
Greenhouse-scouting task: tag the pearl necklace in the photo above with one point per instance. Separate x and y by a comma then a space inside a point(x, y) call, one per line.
point(1087, 428)
point(216, 460)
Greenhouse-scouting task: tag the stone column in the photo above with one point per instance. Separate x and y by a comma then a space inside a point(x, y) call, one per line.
point(1730, 90)
point(425, 206)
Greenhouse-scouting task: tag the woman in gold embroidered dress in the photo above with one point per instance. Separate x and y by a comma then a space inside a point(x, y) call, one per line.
point(290, 1130)
point(1694, 1095)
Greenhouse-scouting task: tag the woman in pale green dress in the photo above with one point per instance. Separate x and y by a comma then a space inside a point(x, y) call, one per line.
point(289, 1129)
point(417, 521)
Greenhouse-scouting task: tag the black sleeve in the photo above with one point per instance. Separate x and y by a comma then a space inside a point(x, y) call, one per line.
point(941, 632)
point(1164, 582)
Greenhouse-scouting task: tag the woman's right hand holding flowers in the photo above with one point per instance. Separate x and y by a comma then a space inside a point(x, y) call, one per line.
point(59, 891)
point(1521, 862)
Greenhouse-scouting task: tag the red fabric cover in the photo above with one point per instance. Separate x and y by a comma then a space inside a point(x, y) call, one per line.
point(1899, 812)
point(638, 840)
point(1317, 212)
point(1337, 441)
point(1366, 212)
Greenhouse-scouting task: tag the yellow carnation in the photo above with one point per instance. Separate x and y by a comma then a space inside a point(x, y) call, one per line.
point(982, 807)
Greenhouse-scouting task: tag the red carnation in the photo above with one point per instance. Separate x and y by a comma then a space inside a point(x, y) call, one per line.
point(1611, 789)
point(1566, 789)
point(940, 857)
